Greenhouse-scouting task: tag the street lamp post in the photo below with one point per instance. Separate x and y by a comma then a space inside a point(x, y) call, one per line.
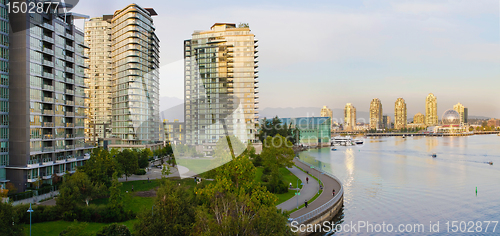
point(30, 211)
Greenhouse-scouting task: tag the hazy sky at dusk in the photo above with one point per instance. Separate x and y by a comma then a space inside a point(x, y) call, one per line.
point(334, 52)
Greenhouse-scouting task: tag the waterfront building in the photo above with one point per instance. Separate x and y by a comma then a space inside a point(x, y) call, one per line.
point(99, 78)
point(46, 98)
point(376, 120)
point(494, 122)
point(450, 123)
point(464, 113)
point(419, 118)
point(174, 131)
point(124, 61)
point(386, 120)
point(221, 85)
point(327, 112)
point(312, 131)
point(400, 118)
point(431, 117)
point(349, 117)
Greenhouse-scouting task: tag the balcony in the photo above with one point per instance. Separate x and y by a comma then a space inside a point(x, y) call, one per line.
point(47, 161)
point(69, 91)
point(48, 75)
point(70, 103)
point(69, 36)
point(48, 136)
point(69, 80)
point(47, 39)
point(47, 177)
point(48, 51)
point(70, 136)
point(48, 26)
point(70, 147)
point(48, 99)
point(70, 48)
point(47, 149)
point(48, 87)
point(70, 125)
point(48, 124)
point(60, 160)
point(48, 63)
point(60, 148)
point(71, 59)
point(70, 70)
point(70, 113)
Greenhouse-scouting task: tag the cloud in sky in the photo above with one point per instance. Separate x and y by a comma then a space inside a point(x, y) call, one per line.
point(334, 52)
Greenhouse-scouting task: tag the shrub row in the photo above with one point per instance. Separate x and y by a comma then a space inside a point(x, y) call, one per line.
point(91, 213)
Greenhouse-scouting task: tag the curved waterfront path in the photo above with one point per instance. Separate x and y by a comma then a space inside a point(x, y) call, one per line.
point(329, 184)
point(306, 193)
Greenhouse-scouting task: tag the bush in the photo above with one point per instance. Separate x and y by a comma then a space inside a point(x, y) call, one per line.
point(140, 172)
point(114, 230)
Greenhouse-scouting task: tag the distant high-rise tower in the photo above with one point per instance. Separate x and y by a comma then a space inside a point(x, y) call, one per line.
point(400, 118)
point(221, 81)
point(386, 120)
point(349, 117)
point(376, 119)
point(419, 118)
point(123, 85)
point(464, 113)
point(431, 116)
point(327, 112)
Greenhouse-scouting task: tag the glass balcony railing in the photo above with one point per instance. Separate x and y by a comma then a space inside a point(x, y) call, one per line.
point(48, 149)
point(48, 124)
point(48, 87)
point(48, 136)
point(70, 48)
point(48, 75)
point(70, 70)
point(48, 51)
point(69, 91)
point(48, 63)
point(70, 125)
point(70, 147)
point(47, 38)
point(71, 103)
point(69, 113)
point(48, 99)
point(48, 112)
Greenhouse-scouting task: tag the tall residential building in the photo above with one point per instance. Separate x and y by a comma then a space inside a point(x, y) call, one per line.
point(431, 116)
point(386, 120)
point(99, 78)
point(174, 131)
point(221, 81)
point(124, 78)
point(327, 112)
point(419, 118)
point(4, 93)
point(349, 117)
point(46, 98)
point(376, 118)
point(400, 118)
point(464, 113)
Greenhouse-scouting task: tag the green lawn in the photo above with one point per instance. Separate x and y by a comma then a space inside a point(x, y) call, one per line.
point(288, 177)
point(53, 228)
point(197, 165)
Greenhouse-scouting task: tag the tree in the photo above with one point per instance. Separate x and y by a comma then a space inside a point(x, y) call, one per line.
point(173, 212)
point(115, 194)
point(77, 189)
point(9, 220)
point(114, 230)
point(100, 167)
point(128, 162)
point(276, 153)
point(145, 155)
point(166, 170)
point(12, 189)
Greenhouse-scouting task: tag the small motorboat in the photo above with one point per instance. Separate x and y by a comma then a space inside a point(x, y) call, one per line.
point(404, 136)
point(434, 155)
point(358, 141)
point(334, 149)
point(491, 163)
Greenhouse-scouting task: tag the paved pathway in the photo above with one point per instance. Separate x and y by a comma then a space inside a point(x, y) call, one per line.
point(306, 193)
point(326, 195)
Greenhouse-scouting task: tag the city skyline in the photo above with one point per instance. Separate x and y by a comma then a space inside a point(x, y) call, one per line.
point(389, 59)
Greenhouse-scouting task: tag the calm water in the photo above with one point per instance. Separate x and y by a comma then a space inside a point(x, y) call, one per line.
point(396, 181)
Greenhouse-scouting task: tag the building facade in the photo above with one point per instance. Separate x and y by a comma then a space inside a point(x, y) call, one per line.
point(376, 119)
point(124, 52)
point(175, 132)
point(349, 117)
point(400, 116)
point(327, 112)
point(386, 120)
point(431, 116)
point(46, 99)
point(4, 94)
point(464, 113)
point(99, 78)
point(311, 130)
point(493, 122)
point(221, 85)
point(419, 118)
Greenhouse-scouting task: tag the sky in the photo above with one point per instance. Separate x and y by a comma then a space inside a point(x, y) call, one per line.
point(334, 52)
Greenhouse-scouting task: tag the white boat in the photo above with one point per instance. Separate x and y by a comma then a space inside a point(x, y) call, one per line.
point(358, 141)
point(341, 140)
